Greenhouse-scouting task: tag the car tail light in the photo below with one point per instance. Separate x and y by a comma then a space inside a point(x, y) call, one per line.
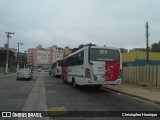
point(18, 73)
point(29, 73)
point(87, 73)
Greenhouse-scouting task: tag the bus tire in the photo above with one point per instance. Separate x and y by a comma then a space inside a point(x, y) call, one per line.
point(64, 81)
point(73, 83)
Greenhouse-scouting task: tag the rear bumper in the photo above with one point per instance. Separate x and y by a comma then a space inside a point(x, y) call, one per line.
point(24, 77)
point(93, 82)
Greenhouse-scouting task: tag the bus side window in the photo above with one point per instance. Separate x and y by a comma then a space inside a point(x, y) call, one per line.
point(65, 63)
point(80, 58)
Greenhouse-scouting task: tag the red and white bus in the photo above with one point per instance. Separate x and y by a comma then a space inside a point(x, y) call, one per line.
point(93, 65)
point(56, 68)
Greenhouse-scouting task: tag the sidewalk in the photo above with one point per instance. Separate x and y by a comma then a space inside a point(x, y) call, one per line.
point(143, 92)
point(2, 75)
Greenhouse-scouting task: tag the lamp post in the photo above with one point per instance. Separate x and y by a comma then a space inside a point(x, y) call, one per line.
point(18, 56)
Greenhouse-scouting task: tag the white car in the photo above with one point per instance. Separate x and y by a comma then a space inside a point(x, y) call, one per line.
point(24, 74)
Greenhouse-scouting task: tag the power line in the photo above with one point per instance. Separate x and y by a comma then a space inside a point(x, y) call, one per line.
point(4, 23)
point(3, 28)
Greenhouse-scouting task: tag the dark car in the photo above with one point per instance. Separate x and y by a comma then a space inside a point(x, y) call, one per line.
point(24, 74)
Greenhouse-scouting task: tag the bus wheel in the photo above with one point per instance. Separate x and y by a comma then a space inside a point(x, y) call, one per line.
point(73, 83)
point(64, 81)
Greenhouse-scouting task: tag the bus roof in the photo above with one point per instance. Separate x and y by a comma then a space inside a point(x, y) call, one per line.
point(86, 47)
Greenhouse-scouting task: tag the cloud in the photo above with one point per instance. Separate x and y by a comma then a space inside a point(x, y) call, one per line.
point(118, 23)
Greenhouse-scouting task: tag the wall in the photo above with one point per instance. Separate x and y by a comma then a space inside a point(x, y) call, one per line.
point(132, 56)
point(138, 58)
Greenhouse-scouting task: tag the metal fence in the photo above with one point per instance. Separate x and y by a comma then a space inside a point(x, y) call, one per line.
point(142, 75)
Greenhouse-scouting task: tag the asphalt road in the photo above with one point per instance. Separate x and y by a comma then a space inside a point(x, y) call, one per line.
point(47, 93)
point(64, 97)
point(14, 93)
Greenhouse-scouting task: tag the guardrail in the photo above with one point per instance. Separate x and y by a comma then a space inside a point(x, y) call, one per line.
point(142, 75)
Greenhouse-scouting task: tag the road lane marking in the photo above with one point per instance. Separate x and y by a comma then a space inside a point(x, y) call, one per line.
point(37, 98)
point(57, 111)
point(52, 91)
point(61, 108)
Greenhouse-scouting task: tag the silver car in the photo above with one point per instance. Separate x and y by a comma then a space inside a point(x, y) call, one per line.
point(24, 74)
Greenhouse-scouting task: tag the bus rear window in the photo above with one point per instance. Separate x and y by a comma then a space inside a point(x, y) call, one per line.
point(59, 63)
point(97, 54)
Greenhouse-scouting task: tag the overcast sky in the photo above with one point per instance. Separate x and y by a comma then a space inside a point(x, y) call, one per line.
point(117, 23)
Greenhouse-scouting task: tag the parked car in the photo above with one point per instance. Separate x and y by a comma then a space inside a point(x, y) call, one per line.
point(24, 74)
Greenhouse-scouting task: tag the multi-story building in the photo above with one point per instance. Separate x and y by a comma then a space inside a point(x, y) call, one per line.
point(38, 56)
point(67, 51)
point(43, 55)
point(56, 53)
point(31, 56)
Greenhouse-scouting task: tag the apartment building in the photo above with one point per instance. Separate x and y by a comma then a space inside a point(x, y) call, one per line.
point(56, 53)
point(38, 56)
point(41, 56)
point(67, 51)
point(31, 59)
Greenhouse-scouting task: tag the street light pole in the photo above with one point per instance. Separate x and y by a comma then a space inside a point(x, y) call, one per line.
point(7, 56)
point(18, 56)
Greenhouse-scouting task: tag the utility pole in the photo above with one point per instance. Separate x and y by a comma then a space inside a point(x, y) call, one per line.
point(7, 56)
point(18, 56)
point(147, 48)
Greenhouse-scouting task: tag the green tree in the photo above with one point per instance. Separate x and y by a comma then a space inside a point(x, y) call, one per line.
point(122, 50)
point(82, 45)
point(155, 47)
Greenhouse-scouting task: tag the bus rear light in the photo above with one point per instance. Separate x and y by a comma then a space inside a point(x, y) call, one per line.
point(87, 73)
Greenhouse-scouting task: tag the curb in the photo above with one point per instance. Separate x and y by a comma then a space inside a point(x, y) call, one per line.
point(3, 75)
point(136, 96)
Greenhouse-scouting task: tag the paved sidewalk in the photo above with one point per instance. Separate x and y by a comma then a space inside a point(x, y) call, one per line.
point(143, 92)
point(2, 75)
